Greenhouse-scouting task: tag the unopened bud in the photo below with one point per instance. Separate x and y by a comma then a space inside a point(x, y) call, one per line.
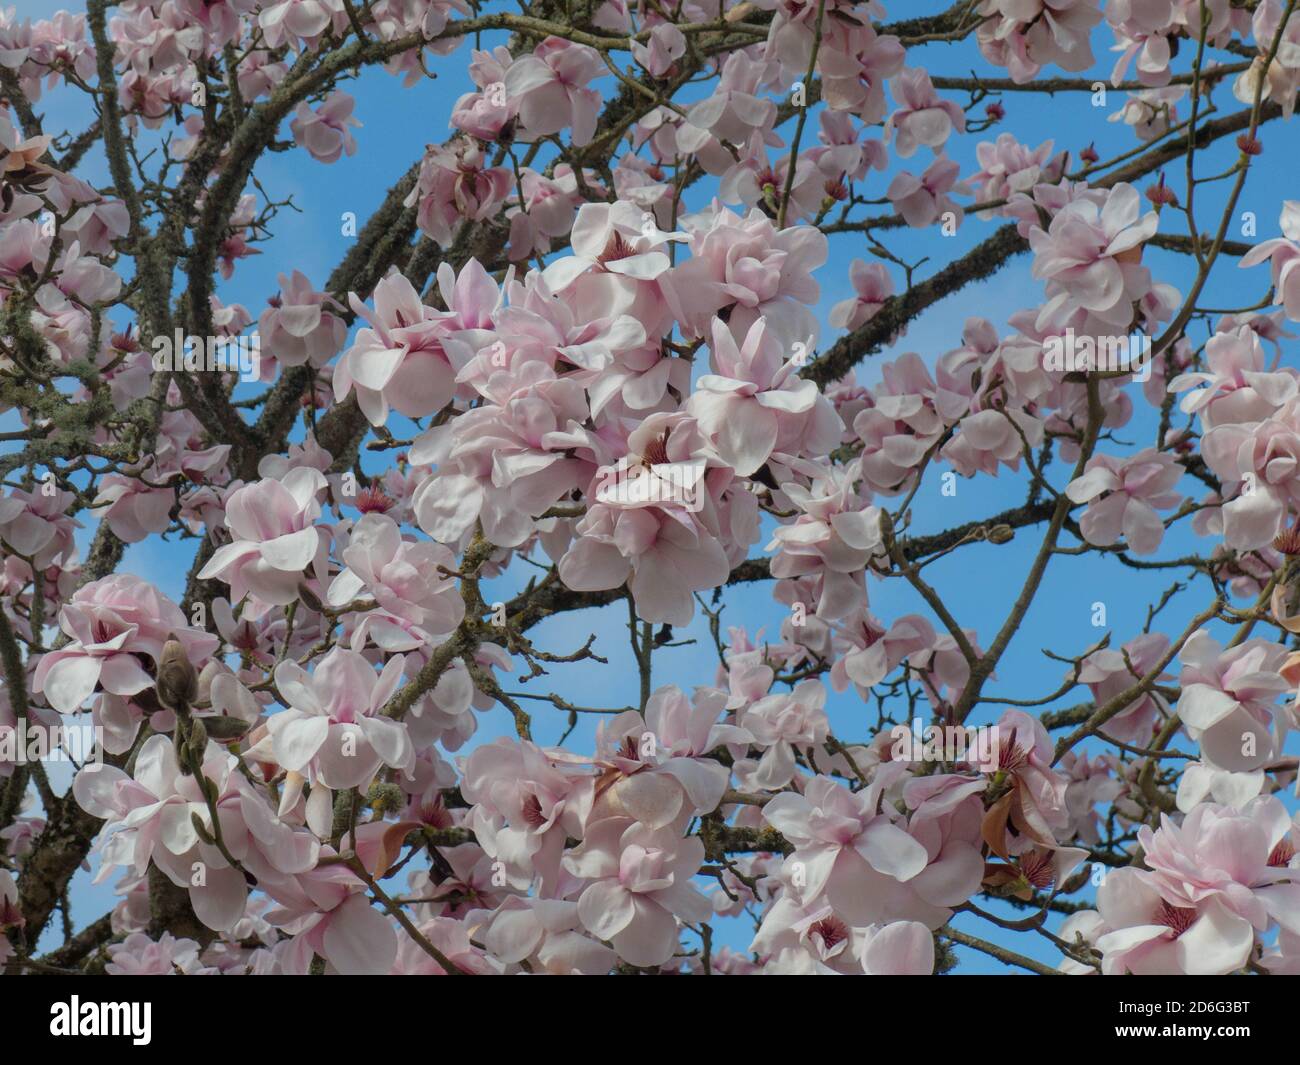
point(1000, 534)
point(309, 598)
point(201, 829)
point(177, 682)
point(10, 915)
point(1161, 194)
point(226, 727)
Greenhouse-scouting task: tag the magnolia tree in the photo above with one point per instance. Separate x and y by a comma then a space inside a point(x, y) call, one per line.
point(577, 360)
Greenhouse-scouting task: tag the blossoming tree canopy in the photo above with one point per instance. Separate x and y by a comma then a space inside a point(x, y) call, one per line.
point(759, 488)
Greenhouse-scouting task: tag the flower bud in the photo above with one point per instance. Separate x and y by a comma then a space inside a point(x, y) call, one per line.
point(309, 598)
point(177, 682)
point(225, 727)
point(1249, 145)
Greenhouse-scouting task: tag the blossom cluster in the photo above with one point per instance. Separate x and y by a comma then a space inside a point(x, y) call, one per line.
point(592, 389)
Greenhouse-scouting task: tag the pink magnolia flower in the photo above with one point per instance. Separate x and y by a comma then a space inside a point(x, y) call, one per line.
point(525, 806)
point(852, 853)
point(396, 19)
point(325, 132)
point(1261, 458)
point(833, 538)
point(806, 938)
point(36, 525)
point(619, 238)
point(734, 112)
point(667, 44)
point(685, 729)
point(657, 517)
point(1026, 35)
point(1123, 495)
point(1284, 958)
point(810, 938)
point(505, 464)
point(1008, 167)
point(658, 784)
point(456, 186)
point(110, 623)
point(758, 179)
point(992, 438)
point(275, 538)
point(63, 41)
point(663, 554)
point(1083, 256)
point(754, 402)
point(98, 223)
point(750, 266)
point(399, 361)
point(332, 730)
point(1034, 807)
point(300, 327)
point(923, 117)
point(1242, 858)
point(1228, 700)
point(1283, 255)
point(1239, 388)
point(149, 819)
point(484, 114)
point(639, 887)
point(779, 722)
point(1093, 784)
point(470, 883)
point(451, 937)
point(924, 200)
point(138, 955)
point(856, 63)
point(872, 286)
point(285, 21)
point(403, 577)
point(867, 652)
point(327, 912)
point(132, 509)
point(901, 424)
point(947, 811)
point(547, 933)
point(1282, 76)
point(85, 277)
point(904, 948)
point(545, 214)
point(1267, 325)
point(1202, 782)
point(1107, 674)
point(1149, 935)
point(550, 86)
point(845, 153)
point(1142, 30)
point(1151, 112)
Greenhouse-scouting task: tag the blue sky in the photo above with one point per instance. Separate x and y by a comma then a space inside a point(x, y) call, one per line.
point(979, 582)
